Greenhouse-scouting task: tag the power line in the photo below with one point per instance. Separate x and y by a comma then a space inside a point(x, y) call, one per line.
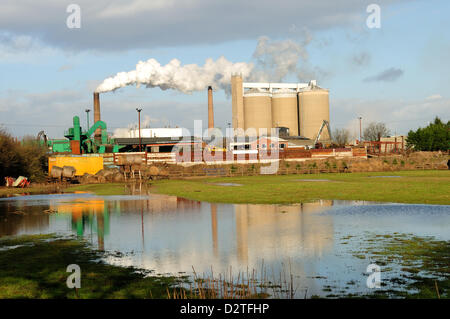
point(32, 125)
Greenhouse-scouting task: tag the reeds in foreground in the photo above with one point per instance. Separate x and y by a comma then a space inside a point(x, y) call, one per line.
point(243, 285)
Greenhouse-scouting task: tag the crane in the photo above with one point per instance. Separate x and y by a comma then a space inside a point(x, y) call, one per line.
point(324, 123)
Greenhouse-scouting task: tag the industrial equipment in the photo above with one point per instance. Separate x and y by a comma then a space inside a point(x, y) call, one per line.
point(326, 124)
point(83, 142)
point(42, 135)
point(20, 181)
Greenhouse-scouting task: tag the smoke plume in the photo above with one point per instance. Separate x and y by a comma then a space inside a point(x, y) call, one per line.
point(277, 59)
point(184, 78)
point(274, 60)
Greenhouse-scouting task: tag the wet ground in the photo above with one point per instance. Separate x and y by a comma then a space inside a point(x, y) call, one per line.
point(326, 245)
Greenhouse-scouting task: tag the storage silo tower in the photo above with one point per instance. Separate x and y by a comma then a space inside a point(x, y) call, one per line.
point(314, 107)
point(284, 110)
point(257, 110)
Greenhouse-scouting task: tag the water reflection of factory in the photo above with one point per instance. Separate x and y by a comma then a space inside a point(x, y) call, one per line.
point(173, 232)
point(281, 227)
point(93, 216)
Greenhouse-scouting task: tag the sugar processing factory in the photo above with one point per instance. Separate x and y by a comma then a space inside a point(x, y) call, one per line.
point(295, 111)
point(270, 121)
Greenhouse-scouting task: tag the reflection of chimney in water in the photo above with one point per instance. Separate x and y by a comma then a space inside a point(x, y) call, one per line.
point(214, 229)
point(101, 231)
point(241, 215)
point(142, 225)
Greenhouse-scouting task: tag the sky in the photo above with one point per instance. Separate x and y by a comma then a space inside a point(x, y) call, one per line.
point(397, 74)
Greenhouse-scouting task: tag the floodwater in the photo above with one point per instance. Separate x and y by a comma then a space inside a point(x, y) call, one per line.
point(170, 235)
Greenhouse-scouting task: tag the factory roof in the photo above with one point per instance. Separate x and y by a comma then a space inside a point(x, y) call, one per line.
point(156, 140)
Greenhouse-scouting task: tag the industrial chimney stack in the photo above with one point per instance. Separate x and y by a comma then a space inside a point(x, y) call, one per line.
point(210, 109)
point(98, 132)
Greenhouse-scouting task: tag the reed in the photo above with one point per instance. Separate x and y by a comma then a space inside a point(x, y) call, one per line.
point(248, 284)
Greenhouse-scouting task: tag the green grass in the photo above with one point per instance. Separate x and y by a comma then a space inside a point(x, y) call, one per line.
point(426, 187)
point(29, 190)
point(100, 189)
point(37, 269)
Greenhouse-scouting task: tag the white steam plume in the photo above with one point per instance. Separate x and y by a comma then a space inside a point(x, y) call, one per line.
point(186, 78)
point(274, 60)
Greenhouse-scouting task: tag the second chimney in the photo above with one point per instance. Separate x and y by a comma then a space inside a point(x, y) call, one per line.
point(98, 132)
point(210, 109)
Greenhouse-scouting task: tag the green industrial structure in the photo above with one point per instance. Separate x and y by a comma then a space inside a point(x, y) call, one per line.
point(84, 142)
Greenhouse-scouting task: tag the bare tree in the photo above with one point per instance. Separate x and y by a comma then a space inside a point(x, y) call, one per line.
point(374, 131)
point(341, 137)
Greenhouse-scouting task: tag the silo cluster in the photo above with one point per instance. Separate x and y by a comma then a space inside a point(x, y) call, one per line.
point(299, 107)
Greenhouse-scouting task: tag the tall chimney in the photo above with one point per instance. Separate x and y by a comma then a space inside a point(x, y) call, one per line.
point(237, 101)
point(210, 109)
point(98, 132)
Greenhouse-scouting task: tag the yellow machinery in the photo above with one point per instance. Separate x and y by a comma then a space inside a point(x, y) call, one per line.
point(82, 164)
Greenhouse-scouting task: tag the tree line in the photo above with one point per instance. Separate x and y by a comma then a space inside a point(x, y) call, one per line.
point(27, 157)
point(434, 137)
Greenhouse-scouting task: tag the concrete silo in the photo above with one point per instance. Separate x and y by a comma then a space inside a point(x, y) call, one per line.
point(257, 110)
point(314, 107)
point(285, 111)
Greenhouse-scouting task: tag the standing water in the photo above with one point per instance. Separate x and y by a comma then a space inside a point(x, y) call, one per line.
point(319, 243)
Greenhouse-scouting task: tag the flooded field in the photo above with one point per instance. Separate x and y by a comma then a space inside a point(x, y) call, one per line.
point(325, 245)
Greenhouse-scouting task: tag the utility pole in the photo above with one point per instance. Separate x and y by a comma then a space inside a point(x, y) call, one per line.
point(139, 121)
point(87, 117)
point(360, 130)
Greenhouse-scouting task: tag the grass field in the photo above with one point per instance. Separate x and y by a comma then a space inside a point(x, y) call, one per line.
point(99, 189)
point(51, 188)
point(425, 187)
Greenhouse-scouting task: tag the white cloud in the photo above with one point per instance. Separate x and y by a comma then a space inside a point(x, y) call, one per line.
point(65, 67)
point(126, 9)
point(434, 97)
point(22, 112)
point(25, 113)
point(388, 75)
point(399, 115)
point(19, 48)
point(121, 25)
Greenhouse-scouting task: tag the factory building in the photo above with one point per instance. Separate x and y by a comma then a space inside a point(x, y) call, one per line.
point(297, 109)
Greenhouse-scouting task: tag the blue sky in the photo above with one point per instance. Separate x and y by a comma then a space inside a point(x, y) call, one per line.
point(48, 72)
